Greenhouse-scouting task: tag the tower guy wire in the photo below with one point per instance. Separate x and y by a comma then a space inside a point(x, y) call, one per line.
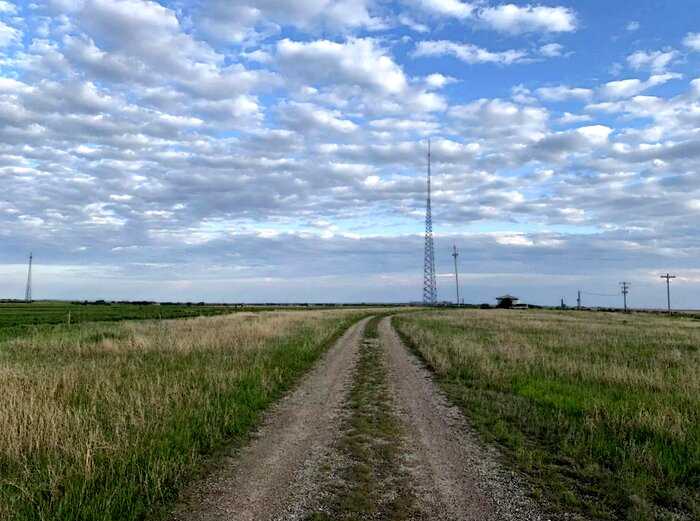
point(455, 254)
point(28, 291)
point(668, 278)
point(429, 283)
point(625, 288)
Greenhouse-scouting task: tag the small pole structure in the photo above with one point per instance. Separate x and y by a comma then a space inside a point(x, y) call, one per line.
point(455, 254)
point(578, 301)
point(625, 290)
point(28, 291)
point(668, 278)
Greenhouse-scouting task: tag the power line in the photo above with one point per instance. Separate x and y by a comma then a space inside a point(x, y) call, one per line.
point(429, 283)
point(668, 278)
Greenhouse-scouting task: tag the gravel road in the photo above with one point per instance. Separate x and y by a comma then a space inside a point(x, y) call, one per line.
point(277, 476)
point(455, 477)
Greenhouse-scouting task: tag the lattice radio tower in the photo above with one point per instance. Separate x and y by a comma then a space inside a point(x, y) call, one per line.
point(429, 284)
point(28, 291)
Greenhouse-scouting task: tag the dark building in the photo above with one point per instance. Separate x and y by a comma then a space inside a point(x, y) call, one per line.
point(506, 301)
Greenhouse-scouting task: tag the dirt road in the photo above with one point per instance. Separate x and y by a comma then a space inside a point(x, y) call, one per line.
point(277, 475)
point(301, 452)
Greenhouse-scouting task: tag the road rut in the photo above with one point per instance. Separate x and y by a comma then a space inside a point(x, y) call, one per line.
point(280, 472)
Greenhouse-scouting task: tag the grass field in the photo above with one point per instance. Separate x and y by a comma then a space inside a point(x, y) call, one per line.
point(601, 410)
point(106, 421)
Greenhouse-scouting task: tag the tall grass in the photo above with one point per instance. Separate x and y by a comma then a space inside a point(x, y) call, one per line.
point(107, 421)
point(602, 410)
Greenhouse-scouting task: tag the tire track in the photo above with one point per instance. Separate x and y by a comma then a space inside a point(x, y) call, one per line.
point(278, 475)
point(454, 476)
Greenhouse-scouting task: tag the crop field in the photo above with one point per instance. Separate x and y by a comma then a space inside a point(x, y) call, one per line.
point(21, 315)
point(601, 410)
point(108, 420)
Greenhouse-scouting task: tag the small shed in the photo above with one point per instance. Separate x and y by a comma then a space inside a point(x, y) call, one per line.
point(506, 301)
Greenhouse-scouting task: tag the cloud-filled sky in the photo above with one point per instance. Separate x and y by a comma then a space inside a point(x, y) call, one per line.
point(274, 150)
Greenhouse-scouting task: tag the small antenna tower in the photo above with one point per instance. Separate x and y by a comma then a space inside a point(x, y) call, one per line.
point(668, 278)
point(28, 291)
point(455, 254)
point(625, 290)
point(429, 285)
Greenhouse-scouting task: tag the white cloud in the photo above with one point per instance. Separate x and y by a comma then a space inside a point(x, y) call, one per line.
point(633, 86)
point(7, 7)
point(306, 117)
point(242, 20)
point(596, 134)
point(499, 118)
point(692, 41)
point(468, 53)
point(563, 93)
point(9, 35)
point(569, 118)
point(454, 8)
point(656, 61)
point(632, 26)
point(513, 19)
point(358, 61)
point(551, 50)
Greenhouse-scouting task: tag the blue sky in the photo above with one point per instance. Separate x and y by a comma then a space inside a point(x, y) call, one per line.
point(274, 150)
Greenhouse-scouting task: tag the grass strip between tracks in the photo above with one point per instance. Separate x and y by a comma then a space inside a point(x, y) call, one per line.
point(373, 485)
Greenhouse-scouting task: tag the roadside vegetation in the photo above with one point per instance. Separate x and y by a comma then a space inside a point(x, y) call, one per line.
point(601, 410)
point(373, 484)
point(106, 421)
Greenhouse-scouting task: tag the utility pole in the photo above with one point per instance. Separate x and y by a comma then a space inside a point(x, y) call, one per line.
point(455, 254)
point(668, 278)
point(625, 290)
point(578, 301)
point(28, 291)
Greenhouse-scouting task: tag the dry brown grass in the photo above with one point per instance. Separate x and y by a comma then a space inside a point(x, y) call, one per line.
point(103, 421)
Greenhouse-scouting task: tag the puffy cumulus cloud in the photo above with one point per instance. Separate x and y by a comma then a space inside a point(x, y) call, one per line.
point(468, 53)
point(692, 41)
point(242, 20)
point(357, 62)
point(500, 118)
point(9, 35)
point(656, 61)
point(454, 8)
point(514, 19)
point(306, 117)
point(563, 93)
point(552, 50)
point(633, 86)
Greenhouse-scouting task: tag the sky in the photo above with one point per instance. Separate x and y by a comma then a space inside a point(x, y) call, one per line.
point(275, 150)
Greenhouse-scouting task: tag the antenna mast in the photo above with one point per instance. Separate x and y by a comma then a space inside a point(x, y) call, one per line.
point(28, 291)
point(429, 285)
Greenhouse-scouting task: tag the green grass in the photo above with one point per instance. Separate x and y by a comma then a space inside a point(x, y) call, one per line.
point(601, 410)
point(19, 318)
point(107, 421)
